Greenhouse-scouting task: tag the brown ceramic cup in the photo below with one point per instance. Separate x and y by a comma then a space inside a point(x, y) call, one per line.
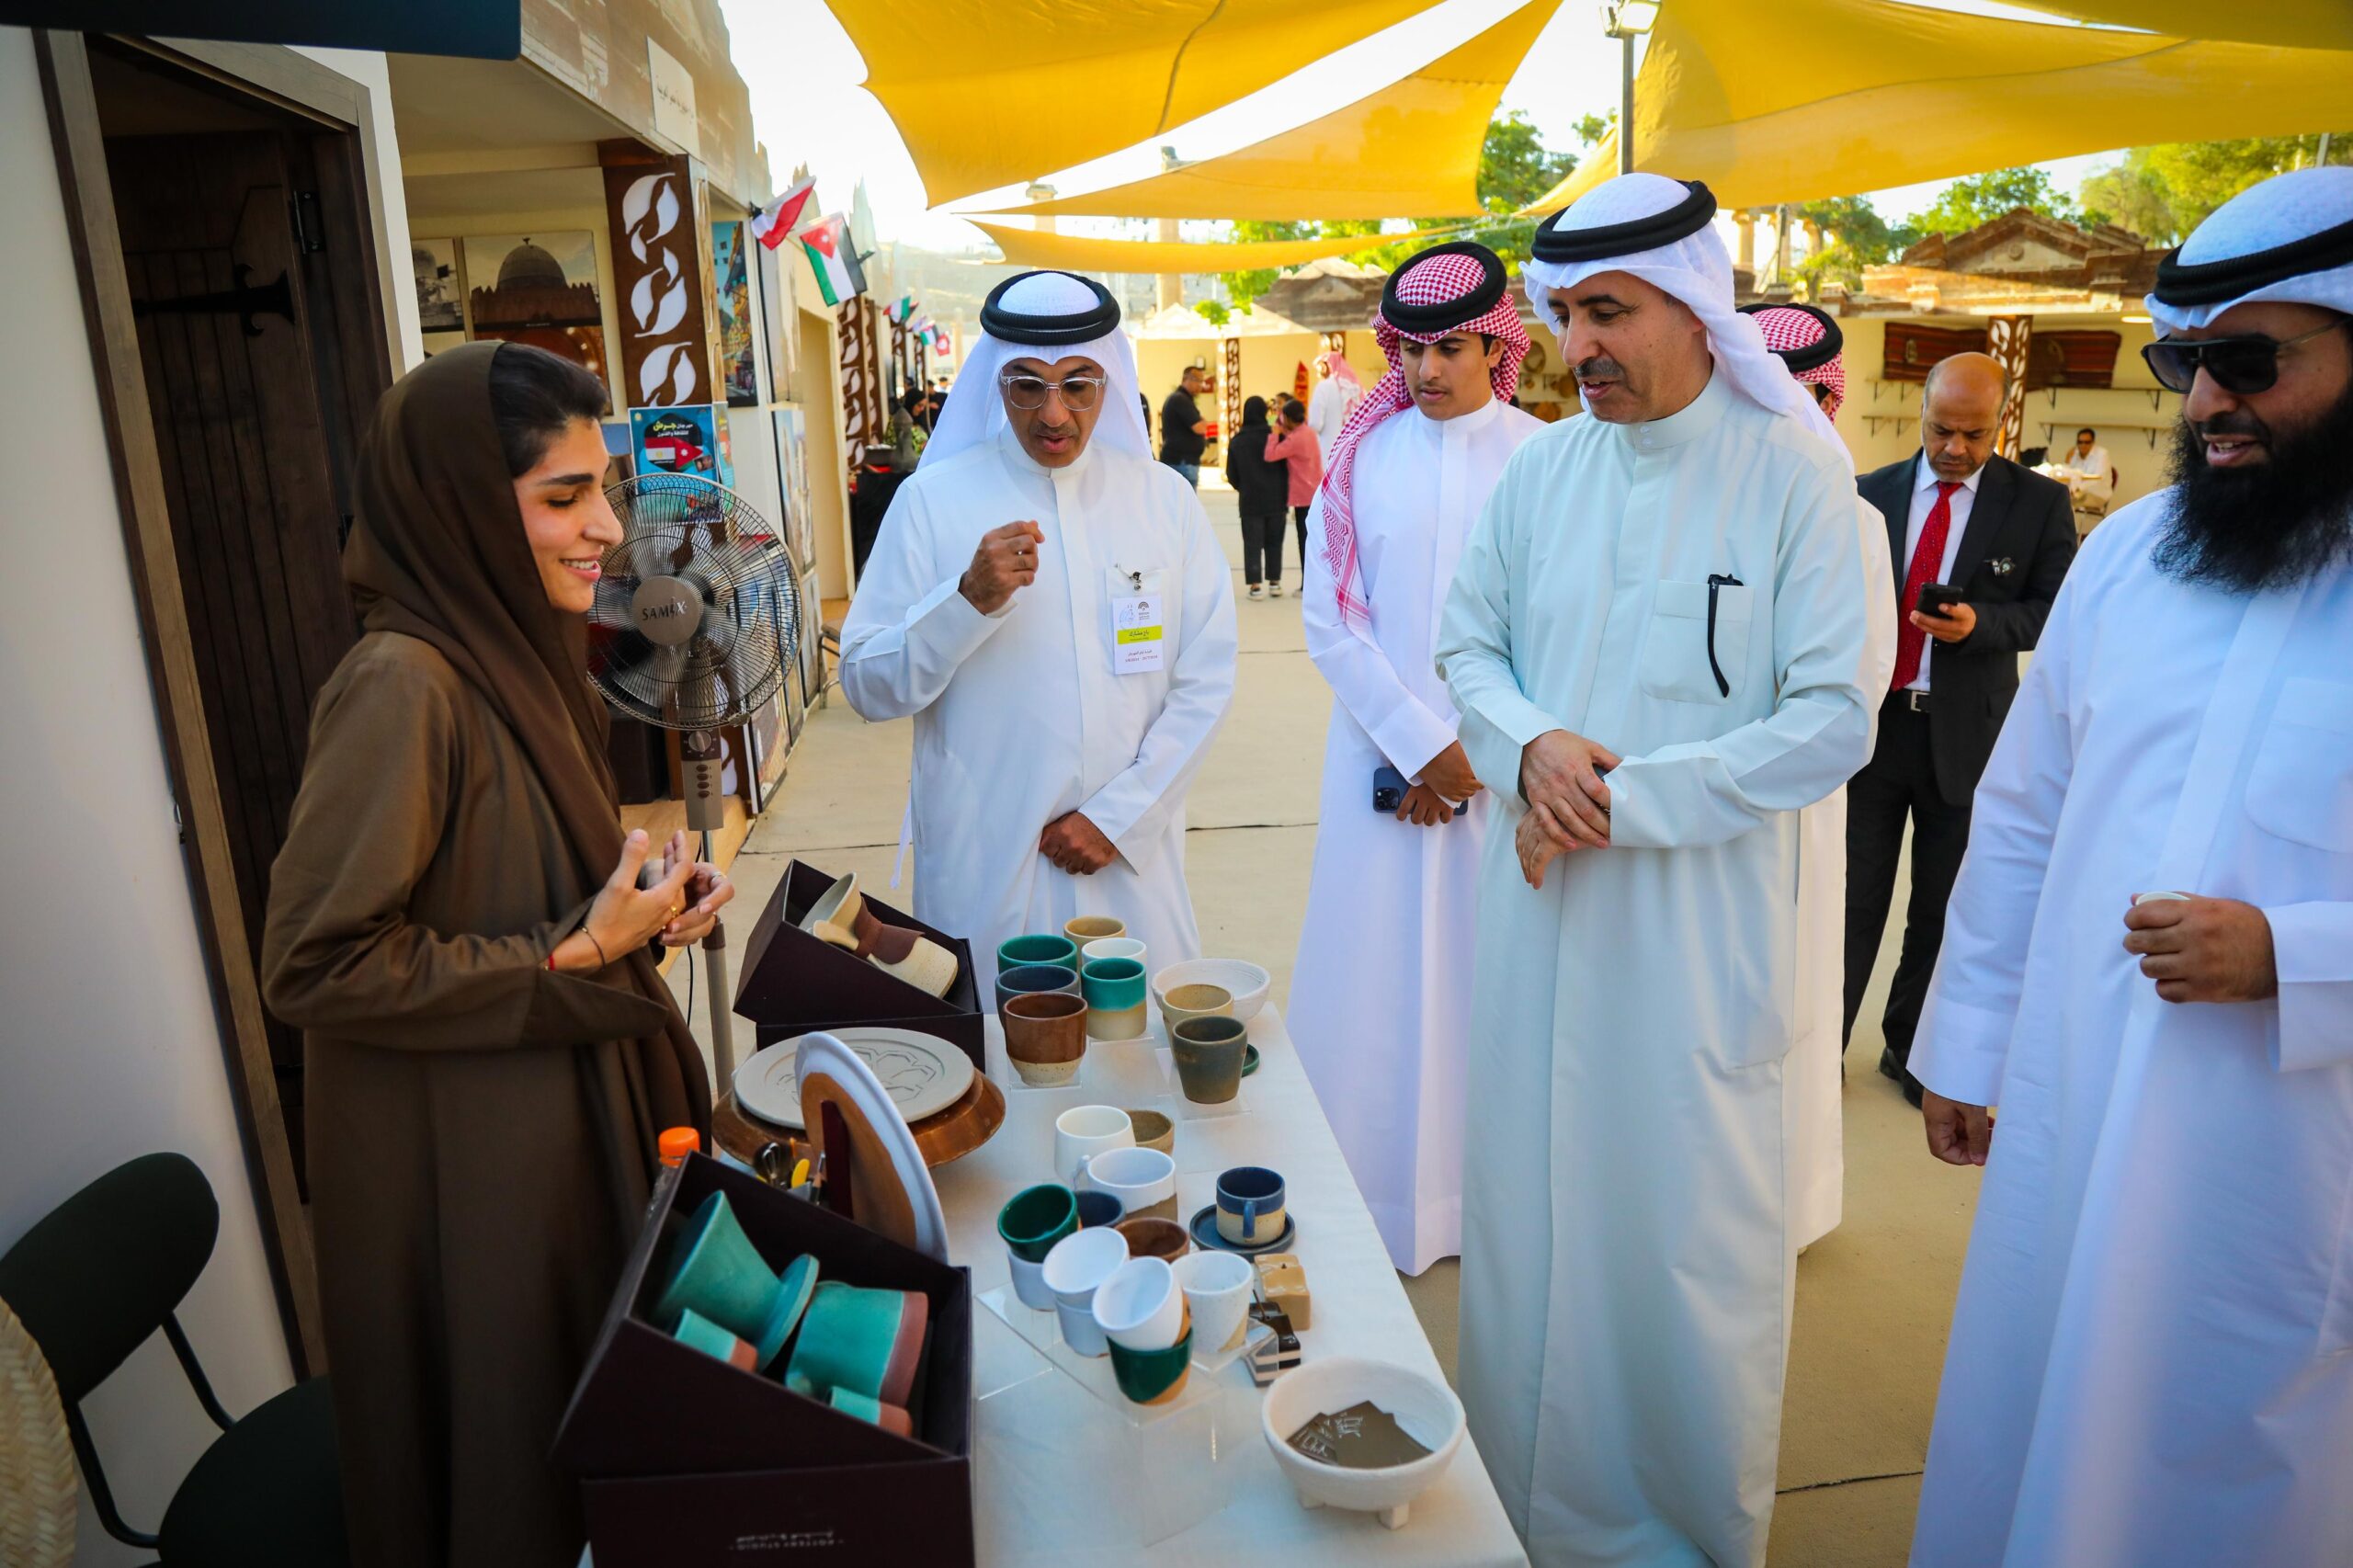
point(1208, 1054)
point(1162, 1239)
point(1045, 1036)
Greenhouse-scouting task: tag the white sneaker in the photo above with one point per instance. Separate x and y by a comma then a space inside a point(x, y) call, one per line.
point(1275, 589)
point(1257, 592)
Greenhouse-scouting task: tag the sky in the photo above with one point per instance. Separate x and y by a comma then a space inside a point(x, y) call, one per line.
point(807, 106)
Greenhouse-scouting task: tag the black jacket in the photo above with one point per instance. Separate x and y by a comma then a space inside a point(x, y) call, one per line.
point(1179, 441)
point(2012, 558)
point(1260, 487)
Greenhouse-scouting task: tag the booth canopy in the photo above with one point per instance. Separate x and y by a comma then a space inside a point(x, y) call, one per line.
point(2298, 24)
point(988, 93)
point(1413, 147)
point(1075, 253)
point(1812, 98)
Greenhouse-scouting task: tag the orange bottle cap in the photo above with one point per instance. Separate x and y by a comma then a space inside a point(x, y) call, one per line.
point(678, 1142)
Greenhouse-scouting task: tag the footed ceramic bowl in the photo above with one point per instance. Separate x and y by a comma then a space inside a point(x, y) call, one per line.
point(1246, 983)
point(1425, 1407)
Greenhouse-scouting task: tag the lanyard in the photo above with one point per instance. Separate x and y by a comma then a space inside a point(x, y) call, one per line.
point(1717, 580)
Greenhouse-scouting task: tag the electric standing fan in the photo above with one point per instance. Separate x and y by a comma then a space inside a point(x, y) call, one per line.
point(697, 611)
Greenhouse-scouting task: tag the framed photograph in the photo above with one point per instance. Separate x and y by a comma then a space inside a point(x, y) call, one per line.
point(440, 291)
point(538, 288)
point(689, 438)
point(731, 287)
point(781, 318)
point(792, 469)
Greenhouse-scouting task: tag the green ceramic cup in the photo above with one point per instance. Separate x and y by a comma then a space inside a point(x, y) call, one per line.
point(1038, 949)
point(1035, 1218)
point(698, 1333)
point(1209, 1058)
point(1112, 985)
point(722, 1276)
point(867, 1341)
point(1153, 1377)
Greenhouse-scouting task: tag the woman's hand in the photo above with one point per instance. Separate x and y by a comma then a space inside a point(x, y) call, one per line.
point(625, 916)
point(706, 889)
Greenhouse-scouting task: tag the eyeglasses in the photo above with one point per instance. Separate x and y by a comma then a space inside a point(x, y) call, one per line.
point(1078, 392)
point(2237, 364)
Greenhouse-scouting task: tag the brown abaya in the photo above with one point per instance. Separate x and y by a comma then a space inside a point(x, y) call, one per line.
point(482, 1129)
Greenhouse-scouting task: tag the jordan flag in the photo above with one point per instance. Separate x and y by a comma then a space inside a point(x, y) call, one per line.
point(834, 258)
point(773, 227)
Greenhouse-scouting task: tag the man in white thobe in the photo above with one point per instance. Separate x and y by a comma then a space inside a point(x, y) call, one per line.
point(2148, 966)
point(1334, 398)
point(1051, 606)
point(1380, 996)
point(2088, 472)
point(1658, 638)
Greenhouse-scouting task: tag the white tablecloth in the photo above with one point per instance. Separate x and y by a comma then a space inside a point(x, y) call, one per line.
point(1053, 1465)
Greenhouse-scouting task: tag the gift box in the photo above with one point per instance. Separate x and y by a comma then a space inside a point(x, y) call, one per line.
point(686, 1461)
point(794, 982)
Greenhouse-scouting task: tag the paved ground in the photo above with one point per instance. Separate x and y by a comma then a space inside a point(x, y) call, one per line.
point(1873, 1298)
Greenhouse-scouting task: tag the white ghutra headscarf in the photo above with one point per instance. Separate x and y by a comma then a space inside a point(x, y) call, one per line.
point(2288, 240)
point(1046, 316)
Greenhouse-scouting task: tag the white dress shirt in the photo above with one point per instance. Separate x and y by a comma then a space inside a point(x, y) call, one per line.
point(1924, 498)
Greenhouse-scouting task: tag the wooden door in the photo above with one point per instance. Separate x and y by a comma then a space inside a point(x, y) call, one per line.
point(255, 443)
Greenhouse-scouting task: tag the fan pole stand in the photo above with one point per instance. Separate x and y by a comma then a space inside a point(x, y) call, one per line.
point(702, 755)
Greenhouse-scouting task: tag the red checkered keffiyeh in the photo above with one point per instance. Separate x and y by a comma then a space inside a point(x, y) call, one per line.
point(1432, 281)
point(1787, 330)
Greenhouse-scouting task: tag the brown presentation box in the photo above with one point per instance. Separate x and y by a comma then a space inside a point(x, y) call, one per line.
point(688, 1463)
point(793, 983)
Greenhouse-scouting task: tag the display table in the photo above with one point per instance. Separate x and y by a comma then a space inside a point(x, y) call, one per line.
point(1048, 1483)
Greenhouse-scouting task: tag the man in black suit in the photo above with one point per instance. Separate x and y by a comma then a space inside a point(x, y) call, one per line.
point(2003, 535)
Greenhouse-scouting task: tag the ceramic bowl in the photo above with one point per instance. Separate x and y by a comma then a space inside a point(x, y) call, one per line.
point(1154, 1131)
point(1423, 1405)
point(1247, 982)
point(1195, 999)
point(1162, 1239)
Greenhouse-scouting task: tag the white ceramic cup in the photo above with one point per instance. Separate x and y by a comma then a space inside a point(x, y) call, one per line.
point(1143, 1181)
point(1140, 1305)
point(1216, 1286)
point(1114, 948)
point(1083, 1132)
point(1029, 1282)
point(2141, 898)
point(1073, 1270)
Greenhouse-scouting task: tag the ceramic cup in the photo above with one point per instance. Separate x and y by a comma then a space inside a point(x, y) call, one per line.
point(1143, 1181)
point(1045, 1036)
point(865, 1340)
point(1094, 928)
point(1115, 948)
point(1197, 1001)
point(1074, 1270)
point(1153, 1377)
point(1028, 978)
point(1154, 1131)
point(1115, 991)
point(722, 1274)
point(1250, 1205)
point(1162, 1239)
point(1217, 1287)
point(889, 1417)
point(1096, 1209)
point(1030, 1223)
point(1041, 948)
point(1139, 1305)
point(699, 1332)
point(2141, 898)
point(1209, 1058)
point(1083, 1132)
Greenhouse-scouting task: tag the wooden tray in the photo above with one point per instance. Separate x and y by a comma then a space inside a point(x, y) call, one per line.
point(943, 1137)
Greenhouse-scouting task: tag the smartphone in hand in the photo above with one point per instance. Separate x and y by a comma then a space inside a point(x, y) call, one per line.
point(1937, 598)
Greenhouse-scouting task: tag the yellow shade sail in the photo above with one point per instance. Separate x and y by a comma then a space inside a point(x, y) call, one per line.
point(1413, 147)
point(1812, 98)
point(1075, 253)
point(2296, 24)
point(995, 92)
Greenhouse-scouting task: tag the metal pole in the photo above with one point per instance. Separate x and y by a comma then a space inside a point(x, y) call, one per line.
point(723, 1004)
point(1626, 104)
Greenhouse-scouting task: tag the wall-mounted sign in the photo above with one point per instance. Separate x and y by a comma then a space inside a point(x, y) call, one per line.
point(660, 281)
point(674, 99)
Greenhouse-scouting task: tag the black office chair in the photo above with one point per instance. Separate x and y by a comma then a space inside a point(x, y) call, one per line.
point(91, 1282)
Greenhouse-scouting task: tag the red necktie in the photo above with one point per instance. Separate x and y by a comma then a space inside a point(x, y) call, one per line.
point(1910, 640)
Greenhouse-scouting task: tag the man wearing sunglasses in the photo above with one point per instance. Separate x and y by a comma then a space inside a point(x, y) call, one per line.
point(2148, 966)
point(1052, 607)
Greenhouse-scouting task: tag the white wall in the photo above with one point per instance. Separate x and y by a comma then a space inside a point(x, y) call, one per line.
point(111, 1047)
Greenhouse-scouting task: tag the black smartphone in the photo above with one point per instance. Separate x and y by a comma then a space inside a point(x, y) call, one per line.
point(1388, 789)
point(1936, 598)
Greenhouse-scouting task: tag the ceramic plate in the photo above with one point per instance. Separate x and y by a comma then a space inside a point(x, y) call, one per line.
point(923, 1072)
point(1250, 1062)
point(847, 1067)
point(1206, 1234)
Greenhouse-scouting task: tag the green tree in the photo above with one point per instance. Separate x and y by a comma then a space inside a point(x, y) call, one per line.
point(1213, 313)
point(1980, 199)
point(2163, 192)
point(1854, 236)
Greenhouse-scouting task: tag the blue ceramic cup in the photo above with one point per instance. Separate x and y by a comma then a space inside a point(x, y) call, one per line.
point(1017, 951)
point(1112, 985)
point(1026, 979)
point(1098, 1208)
point(1250, 1205)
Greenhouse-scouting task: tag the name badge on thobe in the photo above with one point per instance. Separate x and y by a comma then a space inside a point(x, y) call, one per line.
point(1138, 624)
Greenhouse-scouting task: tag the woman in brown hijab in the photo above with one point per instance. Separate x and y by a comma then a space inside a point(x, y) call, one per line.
point(457, 923)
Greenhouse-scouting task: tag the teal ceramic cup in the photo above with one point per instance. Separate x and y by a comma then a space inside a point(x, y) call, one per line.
point(868, 1341)
point(1112, 985)
point(722, 1277)
point(1153, 1377)
point(1035, 1218)
point(697, 1332)
point(1033, 950)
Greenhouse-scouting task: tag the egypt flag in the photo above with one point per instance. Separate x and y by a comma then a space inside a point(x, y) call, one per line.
point(773, 227)
point(834, 258)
